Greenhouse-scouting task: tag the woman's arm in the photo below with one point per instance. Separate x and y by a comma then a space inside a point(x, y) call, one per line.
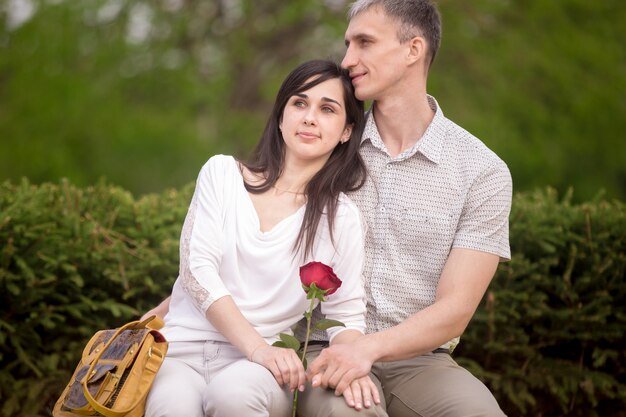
point(347, 304)
point(284, 364)
point(228, 320)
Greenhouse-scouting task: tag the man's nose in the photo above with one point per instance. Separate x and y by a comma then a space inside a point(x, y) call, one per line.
point(349, 59)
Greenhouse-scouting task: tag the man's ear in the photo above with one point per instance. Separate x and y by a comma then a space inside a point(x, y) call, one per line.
point(418, 49)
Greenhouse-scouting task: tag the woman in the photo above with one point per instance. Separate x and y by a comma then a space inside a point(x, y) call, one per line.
point(249, 228)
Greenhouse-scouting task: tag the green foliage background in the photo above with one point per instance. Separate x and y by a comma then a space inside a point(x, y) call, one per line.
point(548, 338)
point(542, 83)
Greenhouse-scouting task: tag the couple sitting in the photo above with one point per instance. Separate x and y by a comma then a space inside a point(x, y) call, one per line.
point(435, 201)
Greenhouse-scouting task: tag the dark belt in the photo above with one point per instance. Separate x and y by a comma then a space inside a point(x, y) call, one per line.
point(318, 343)
point(325, 344)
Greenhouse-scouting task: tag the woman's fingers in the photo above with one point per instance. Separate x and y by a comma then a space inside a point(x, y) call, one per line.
point(373, 390)
point(284, 364)
point(357, 394)
point(362, 393)
point(366, 392)
point(298, 375)
point(288, 368)
point(349, 397)
point(294, 376)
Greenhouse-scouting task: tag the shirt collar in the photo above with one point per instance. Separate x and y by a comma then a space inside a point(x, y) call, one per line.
point(429, 145)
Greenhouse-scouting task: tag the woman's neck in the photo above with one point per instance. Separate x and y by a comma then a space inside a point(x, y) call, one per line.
point(296, 175)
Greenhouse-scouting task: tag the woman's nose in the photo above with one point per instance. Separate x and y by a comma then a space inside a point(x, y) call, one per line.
point(309, 119)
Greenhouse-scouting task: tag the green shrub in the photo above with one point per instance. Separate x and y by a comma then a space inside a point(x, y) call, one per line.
point(547, 339)
point(73, 261)
point(550, 335)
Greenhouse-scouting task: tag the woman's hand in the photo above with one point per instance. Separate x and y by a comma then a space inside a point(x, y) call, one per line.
point(283, 363)
point(362, 392)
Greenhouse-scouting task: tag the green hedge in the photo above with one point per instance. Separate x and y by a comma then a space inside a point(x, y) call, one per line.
point(548, 339)
point(75, 260)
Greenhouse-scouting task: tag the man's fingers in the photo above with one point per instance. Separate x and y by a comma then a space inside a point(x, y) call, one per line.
point(344, 381)
point(333, 380)
point(316, 366)
point(316, 380)
point(331, 377)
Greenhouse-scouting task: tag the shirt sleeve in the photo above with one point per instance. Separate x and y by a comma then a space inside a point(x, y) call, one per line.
point(347, 304)
point(201, 240)
point(484, 222)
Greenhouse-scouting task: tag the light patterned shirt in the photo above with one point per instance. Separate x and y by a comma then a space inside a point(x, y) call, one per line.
point(447, 191)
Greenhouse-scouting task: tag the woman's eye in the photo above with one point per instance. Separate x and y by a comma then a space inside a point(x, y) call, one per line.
point(327, 109)
point(299, 103)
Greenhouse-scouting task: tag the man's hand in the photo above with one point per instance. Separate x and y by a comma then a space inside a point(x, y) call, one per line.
point(338, 365)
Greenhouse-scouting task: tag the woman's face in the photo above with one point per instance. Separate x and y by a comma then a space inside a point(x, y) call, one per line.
point(314, 122)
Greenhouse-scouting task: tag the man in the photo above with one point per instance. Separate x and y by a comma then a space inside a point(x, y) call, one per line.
point(436, 204)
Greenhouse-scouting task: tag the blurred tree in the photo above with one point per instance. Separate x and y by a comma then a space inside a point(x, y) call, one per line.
point(143, 92)
point(543, 84)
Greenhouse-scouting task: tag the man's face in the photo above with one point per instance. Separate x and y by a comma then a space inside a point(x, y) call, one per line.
point(375, 58)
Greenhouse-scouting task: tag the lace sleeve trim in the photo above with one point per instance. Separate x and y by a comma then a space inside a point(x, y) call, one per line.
point(201, 298)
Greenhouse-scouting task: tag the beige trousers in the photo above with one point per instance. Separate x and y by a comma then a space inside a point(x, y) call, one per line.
point(431, 385)
point(213, 379)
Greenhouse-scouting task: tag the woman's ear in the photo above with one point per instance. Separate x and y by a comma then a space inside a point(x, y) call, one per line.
point(346, 134)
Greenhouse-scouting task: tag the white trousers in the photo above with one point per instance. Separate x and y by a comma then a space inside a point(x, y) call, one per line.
point(214, 379)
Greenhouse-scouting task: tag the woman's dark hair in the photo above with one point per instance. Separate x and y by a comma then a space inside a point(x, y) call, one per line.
point(344, 171)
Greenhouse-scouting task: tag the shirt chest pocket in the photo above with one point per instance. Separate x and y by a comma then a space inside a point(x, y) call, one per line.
point(425, 232)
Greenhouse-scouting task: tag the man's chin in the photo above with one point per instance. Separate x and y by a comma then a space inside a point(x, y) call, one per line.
point(362, 94)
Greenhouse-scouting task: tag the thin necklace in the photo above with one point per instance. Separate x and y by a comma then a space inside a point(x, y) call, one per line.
point(287, 191)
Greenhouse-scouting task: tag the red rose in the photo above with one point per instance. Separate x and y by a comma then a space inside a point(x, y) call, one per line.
point(321, 275)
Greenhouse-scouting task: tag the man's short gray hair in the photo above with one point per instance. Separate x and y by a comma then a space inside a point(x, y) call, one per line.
point(415, 17)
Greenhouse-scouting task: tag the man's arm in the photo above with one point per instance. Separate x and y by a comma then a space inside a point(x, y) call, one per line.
point(464, 280)
point(160, 311)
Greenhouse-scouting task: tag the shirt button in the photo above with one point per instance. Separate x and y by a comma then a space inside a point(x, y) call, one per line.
point(382, 209)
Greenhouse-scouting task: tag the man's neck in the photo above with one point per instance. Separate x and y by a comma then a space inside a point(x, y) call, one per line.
point(402, 120)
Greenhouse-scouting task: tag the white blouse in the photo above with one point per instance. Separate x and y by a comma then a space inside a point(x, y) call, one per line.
point(223, 252)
